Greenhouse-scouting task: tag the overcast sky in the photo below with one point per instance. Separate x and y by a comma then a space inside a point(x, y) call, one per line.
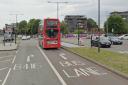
point(41, 9)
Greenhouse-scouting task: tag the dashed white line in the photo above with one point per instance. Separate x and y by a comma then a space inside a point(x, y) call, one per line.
point(28, 59)
point(14, 59)
point(3, 68)
point(7, 56)
point(5, 60)
point(53, 68)
point(62, 55)
point(6, 77)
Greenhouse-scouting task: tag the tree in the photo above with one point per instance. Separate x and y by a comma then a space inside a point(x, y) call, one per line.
point(115, 24)
point(64, 28)
point(33, 25)
point(126, 26)
point(22, 27)
point(80, 31)
point(91, 24)
point(30, 26)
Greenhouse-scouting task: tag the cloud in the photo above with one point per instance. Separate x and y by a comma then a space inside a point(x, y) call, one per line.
point(42, 9)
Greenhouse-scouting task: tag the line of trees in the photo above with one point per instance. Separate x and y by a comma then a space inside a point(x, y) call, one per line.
point(30, 27)
point(116, 24)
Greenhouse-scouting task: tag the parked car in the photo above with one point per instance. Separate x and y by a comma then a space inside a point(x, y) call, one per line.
point(116, 41)
point(104, 42)
point(28, 37)
point(24, 37)
point(123, 37)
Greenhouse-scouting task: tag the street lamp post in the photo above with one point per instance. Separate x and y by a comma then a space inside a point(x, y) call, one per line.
point(57, 6)
point(99, 25)
point(16, 15)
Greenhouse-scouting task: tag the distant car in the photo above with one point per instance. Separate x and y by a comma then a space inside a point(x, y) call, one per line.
point(123, 37)
point(19, 36)
point(28, 37)
point(116, 41)
point(104, 42)
point(24, 38)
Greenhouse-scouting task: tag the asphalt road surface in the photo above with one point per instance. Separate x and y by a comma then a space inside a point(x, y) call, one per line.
point(30, 65)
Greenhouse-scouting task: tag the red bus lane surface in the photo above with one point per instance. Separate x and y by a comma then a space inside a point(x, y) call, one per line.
point(77, 71)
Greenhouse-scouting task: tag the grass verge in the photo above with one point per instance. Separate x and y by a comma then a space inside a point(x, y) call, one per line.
point(116, 61)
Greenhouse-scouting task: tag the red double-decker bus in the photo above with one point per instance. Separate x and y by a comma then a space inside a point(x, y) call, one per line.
point(49, 33)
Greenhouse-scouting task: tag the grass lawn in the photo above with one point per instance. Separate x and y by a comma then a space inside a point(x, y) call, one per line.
point(113, 60)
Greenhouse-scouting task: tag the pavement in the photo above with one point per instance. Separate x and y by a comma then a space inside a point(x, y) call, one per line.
point(68, 44)
point(8, 46)
point(31, 65)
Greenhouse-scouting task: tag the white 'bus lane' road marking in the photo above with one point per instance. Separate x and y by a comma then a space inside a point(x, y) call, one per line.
point(31, 66)
point(78, 72)
point(62, 55)
point(78, 68)
point(53, 68)
point(71, 63)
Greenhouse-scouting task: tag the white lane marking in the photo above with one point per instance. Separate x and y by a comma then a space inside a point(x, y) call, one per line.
point(29, 57)
point(62, 55)
point(7, 56)
point(14, 59)
point(5, 60)
point(53, 68)
point(3, 68)
point(32, 55)
point(6, 77)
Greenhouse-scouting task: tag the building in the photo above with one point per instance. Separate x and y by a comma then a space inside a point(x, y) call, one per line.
point(1, 32)
point(123, 14)
point(76, 21)
point(10, 27)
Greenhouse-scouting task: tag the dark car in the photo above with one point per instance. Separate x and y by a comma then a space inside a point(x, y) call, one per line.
point(104, 42)
point(116, 41)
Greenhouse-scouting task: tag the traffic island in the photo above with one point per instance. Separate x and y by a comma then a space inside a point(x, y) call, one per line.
point(114, 62)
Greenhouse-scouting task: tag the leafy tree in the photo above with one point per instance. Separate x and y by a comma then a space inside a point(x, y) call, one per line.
point(33, 25)
point(30, 26)
point(22, 27)
point(126, 26)
point(64, 28)
point(115, 24)
point(80, 31)
point(91, 24)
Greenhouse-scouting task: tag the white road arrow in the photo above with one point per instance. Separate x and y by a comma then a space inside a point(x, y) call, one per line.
point(29, 58)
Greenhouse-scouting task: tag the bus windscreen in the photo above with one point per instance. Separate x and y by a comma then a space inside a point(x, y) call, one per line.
point(52, 24)
point(52, 33)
